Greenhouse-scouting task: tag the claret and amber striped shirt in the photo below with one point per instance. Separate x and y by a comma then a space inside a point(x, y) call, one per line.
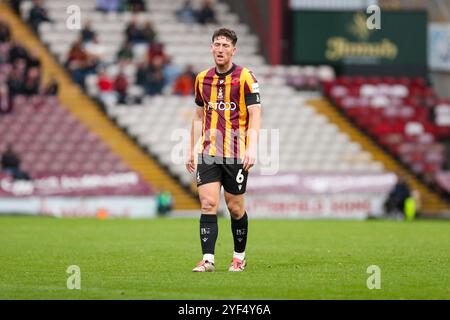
point(224, 99)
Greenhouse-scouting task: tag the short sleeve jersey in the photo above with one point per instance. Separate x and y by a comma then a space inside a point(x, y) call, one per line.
point(225, 99)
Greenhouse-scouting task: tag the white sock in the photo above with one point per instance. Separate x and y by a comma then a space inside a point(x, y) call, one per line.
point(239, 255)
point(209, 257)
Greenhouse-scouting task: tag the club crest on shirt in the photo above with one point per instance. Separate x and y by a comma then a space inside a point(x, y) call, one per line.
point(220, 94)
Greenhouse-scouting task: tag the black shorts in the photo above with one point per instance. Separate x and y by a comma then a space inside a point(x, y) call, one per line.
point(228, 171)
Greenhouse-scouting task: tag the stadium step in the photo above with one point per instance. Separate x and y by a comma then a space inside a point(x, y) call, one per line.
point(86, 110)
point(431, 202)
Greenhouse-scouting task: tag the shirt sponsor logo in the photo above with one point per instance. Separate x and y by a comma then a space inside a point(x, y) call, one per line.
point(222, 106)
point(255, 88)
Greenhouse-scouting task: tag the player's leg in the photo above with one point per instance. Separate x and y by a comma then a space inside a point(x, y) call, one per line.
point(209, 199)
point(208, 181)
point(234, 182)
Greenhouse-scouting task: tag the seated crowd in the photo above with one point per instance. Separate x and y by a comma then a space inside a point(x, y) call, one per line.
point(20, 71)
point(153, 73)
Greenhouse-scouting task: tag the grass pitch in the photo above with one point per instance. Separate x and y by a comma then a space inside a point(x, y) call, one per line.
point(287, 259)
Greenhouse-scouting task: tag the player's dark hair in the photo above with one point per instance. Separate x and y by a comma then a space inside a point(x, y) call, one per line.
point(228, 33)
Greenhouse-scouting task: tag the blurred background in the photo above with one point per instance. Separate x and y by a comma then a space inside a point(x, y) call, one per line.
point(93, 93)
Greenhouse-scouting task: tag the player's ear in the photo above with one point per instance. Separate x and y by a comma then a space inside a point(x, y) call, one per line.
point(234, 51)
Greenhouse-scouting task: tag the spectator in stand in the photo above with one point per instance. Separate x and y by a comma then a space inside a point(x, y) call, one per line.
point(37, 15)
point(15, 84)
point(87, 34)
point(186, 13)
point(4, 53)
point(32, 82)
point(5, 32)
point(184, 84)
point(105, 86)
point(141, 74)
point(133, 32)
point(16, 52)
point(33, 60)
point(121, 86)
point(171, 71)
point(148, 33)
point(156, 50)
point(21, 66)
point(5, 99)
point(78, 63)
point(51, 89)
point(106, 6)
point(10, 161)
point(155, 77)
point(206, 14)
point(136, 5)
point(11, 164)
point(125, 54)
point(16, 78)
point(95, 51)
point(104, 82)
point(190, 71)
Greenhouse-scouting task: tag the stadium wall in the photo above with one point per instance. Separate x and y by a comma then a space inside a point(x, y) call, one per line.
point(113, 195)
point(100, 207)
point(317, 196)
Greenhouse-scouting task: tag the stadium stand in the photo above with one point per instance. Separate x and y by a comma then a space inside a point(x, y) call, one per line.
point(317, 145)
point(150, 121)
point(49, 147)
point(60, 146)
point(402, 114)
point(46, 140)
point(83, 109)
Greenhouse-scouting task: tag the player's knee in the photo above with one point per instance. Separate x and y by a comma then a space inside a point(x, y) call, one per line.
point(209, 205)
point(236, 209)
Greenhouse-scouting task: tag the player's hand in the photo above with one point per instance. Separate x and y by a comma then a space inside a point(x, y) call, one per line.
point(190, 163)
point(249, 158)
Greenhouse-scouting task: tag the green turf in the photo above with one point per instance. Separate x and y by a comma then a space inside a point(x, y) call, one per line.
point(287, 259)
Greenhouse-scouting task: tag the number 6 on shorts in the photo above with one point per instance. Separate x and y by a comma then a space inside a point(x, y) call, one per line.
point(240, 177)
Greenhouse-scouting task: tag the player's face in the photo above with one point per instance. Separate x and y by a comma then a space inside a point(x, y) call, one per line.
point(223, 50)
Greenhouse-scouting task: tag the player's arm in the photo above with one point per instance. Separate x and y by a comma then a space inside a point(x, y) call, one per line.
point(254, 118)
point(253, 102)
point(196, 130)
point(196, 127)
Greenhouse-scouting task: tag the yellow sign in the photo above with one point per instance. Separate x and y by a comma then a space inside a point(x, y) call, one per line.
point(340, 47)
